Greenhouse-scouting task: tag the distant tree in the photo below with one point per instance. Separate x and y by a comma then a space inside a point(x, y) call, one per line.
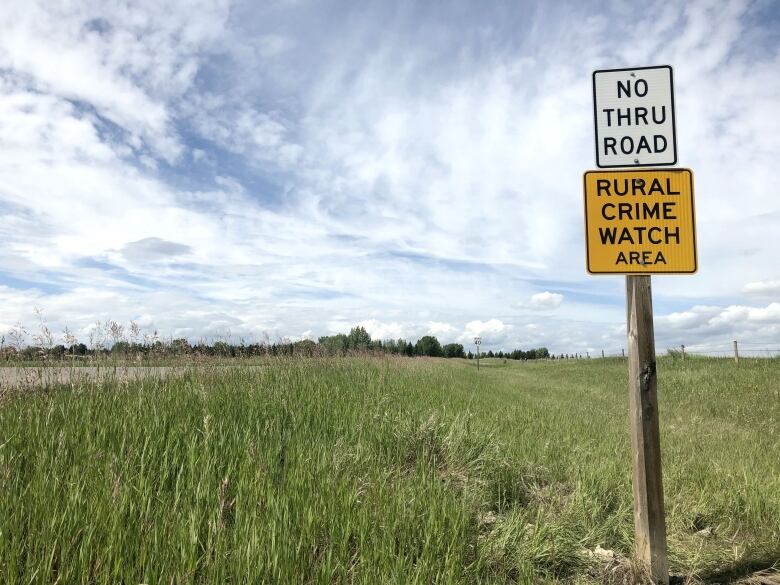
point(327, 344)
point(181, 347)
point(32, 352)
point(304, 347)
point(8, 352)
point(222, 349)
point(254, 349)
point(120, 348)
point(428, 345)
point(334, 344)
point(453, 350)
point(359, 338)
point(78, 349)
point(470, 355)
point(490, 353)
point(390, 346)
point(201, 348)
point(409, 350)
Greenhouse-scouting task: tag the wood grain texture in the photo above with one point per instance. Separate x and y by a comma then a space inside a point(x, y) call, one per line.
point(649, 518)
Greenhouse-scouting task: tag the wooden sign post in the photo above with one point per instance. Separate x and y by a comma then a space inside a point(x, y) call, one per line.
point(649, 518)
point(640, 222)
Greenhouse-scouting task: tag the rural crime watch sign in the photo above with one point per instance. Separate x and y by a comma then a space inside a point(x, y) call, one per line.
point(634, 117)
point(640, 221)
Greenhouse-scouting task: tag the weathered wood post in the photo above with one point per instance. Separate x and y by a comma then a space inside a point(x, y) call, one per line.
point(625, 90)
point(649, 519)
point(736, 352)
point(682, 349)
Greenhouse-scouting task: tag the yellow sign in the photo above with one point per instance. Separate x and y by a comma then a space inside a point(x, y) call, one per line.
point(640, 221)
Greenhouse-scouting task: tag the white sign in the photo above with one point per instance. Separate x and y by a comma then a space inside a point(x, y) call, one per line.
point(634, 115)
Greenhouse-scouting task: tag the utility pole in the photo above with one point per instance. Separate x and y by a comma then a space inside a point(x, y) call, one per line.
point(478, 342)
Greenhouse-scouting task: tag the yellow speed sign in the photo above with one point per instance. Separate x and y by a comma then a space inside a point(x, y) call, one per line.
point(640, 221)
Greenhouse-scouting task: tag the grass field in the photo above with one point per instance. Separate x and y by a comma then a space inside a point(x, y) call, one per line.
point(383, 470)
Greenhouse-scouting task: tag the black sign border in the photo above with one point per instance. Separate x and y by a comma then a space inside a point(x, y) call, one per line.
point(693, 223)
point(596, 121)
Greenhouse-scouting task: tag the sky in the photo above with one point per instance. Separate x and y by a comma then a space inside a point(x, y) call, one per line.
point(277, 170)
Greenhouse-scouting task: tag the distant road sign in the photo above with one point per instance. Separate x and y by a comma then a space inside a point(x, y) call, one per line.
point(640, 221)
point(634, 117)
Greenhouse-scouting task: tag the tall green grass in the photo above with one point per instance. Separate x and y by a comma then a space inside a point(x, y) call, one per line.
point(382, 470)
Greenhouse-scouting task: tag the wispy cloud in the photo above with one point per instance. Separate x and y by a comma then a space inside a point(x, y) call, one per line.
point(293, 169)
point(543, 301)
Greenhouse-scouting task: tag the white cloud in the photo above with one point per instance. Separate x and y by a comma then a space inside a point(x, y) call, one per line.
point(709, 327)
point(438, 329)
point(239, 128)
point(493, 332)
point(739, 314)
point(545, 301)
point(410, 183)
point(125, 62)
point(764, 288)
point(378, 330)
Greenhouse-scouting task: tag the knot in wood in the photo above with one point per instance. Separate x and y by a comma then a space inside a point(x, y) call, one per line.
point(646, 376)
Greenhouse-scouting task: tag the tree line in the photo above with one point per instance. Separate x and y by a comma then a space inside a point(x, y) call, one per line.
point(358, 340)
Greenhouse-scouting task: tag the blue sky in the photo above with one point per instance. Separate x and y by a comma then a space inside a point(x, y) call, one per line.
point(291, 169)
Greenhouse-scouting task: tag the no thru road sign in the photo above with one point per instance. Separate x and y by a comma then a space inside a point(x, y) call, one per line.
point(640, 221)
point(634, 116)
